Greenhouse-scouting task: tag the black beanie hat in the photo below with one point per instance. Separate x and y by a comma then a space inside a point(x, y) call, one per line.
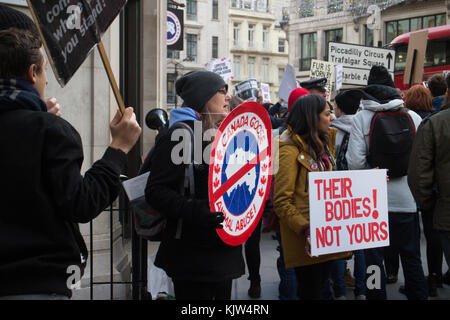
point(380, 75)
point(197, 87)
point(12, 18)
point(381, 93)
point(348, 101)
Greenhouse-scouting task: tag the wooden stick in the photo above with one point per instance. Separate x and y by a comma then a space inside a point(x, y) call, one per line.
point(112, 79)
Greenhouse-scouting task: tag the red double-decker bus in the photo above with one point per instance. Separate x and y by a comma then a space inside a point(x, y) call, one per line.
point(437, 57)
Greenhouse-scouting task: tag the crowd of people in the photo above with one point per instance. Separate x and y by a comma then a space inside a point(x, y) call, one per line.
point(46, 155)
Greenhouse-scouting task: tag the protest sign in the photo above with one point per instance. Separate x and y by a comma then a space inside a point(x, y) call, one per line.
point(348, 210)
point(247, 90)
point(323, 69)
point(288, 83)
point(222, 67)
point(415, 57)
point(70, 29)
point(240, 171)
point(339, 74)
point(265, 91)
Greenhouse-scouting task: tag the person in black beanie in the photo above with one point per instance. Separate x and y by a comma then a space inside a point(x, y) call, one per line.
point(11, 18)
point(380, 75)
point(201, 266)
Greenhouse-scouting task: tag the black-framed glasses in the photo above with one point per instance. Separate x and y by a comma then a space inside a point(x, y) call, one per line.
point(223, 91)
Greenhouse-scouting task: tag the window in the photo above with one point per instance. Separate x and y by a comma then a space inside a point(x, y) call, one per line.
point(368, 37)
point(236, 32)
point(215, 9)
point(266, 37)
point(247, 4)
point(235, 3)
point(173, 54)
point(191, 9)
point(191, 46)
point(171, 94)
point(306, 8)
point(265, 70)
point(308, 50)
point(237, 67)
point(335, 35)
point(215, 47)
point(251, 35)
point(398, 27)
point(281, 45)
point(251, 67)
point(335, 6)
point(280, 75)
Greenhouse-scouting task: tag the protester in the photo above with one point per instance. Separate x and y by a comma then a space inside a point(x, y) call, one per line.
point(192, 254)
point(418, 99)
point(11, 18)
point(44, 196)
point(404, 229)
point(346, 105)
point(306, 146)
point(438, 88)
point(380, 75)
point(428, 179)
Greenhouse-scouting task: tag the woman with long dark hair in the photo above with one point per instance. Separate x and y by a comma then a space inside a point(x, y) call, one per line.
point(306, 146)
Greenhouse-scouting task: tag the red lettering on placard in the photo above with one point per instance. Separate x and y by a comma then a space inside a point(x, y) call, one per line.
point(375, 228)
point(355, 208)
point(318, 182)
point(383, 229)
point(367, 207)
point(320, 236)
point(346, 185)
point(337, 229)
point(328, 211)
point(350, 232)
point(325, 236)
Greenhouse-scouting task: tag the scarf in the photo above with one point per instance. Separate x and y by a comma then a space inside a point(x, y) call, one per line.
point(19, 94)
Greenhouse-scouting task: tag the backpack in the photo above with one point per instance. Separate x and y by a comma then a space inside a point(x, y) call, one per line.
point(150, 223)
point(390, 141)
point(341, 161)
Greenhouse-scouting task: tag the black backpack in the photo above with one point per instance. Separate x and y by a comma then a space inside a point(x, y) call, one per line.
point(149, 223)
point(390, 141)
point(341, 161)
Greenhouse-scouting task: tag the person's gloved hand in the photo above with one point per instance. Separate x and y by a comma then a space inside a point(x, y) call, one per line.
point(203, 217)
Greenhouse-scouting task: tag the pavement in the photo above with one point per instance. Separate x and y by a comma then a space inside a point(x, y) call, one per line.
point(270, 278)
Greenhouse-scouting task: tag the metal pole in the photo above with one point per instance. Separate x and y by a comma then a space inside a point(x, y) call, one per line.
point(91, 261)
point(111, 244)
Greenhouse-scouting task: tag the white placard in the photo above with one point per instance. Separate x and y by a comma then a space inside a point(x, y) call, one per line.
point(222, 67)
point(323, 69)
point(288, 84)
point(339, 73)
point(265, 90)
point(348, 210)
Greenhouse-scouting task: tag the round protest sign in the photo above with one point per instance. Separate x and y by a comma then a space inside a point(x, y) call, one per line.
point(240, 171)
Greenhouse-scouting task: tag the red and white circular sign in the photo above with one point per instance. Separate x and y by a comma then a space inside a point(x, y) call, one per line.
point(240, 171)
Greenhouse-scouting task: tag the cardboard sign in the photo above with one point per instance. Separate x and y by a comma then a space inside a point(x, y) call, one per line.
point(418, 42)
point(265, 90)
point(339, 74)
point(323, 69)
point(247, 90)
point(222, 67)
point(240, 171)
point(175, 29)
point(71, 29)
point(348, 210)
point(288, 83)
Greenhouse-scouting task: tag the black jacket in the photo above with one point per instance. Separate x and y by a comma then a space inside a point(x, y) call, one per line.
point(199, 254)
point(44, 197)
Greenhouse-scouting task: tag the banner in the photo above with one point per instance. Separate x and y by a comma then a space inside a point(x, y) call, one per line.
point(348, 210)
point(240, 172)
point(175, 25)
point(323, 69)
point(222, 67)
point(71, 29)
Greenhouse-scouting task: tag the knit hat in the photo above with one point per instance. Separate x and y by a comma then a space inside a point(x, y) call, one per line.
point(348, 101)
point(295, 95)
point(197, 87)
point(381, 93)
point(12, 18)
point(380, 75)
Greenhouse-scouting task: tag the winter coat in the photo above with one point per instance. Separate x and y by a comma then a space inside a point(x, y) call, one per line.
point(344, 125)
point(438, 102)
point(400, 198)
point(291, 198)
point(188, 251)
point(44, 196)
point(430, 166)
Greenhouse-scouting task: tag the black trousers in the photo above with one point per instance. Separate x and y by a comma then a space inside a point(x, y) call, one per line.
point(434, 247)
point(194, 290)
point(311, 280)
point(253, 254)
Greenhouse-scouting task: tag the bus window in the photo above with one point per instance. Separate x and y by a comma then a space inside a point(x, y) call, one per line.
point(437, 54)
point(400, 59)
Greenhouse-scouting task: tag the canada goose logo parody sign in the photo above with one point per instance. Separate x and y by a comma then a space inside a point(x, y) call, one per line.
point(240, 171)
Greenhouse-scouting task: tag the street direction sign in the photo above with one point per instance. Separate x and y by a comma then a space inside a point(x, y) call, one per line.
point(357, 60)
point(240, 171)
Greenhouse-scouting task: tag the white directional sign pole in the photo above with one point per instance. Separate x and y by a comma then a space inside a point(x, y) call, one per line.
point(358, 60)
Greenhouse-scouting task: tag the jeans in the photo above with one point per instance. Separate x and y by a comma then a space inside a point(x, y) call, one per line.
point(338, 276)
point(375, 257)
point(311, 280)
point(288, 281)
point(253, 254)
point(359, 272)
point(434, 247)
point(404, 232)
point(445, 241)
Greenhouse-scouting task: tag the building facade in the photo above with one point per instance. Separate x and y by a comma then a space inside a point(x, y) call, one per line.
point(258, 46)
point(312, 24)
